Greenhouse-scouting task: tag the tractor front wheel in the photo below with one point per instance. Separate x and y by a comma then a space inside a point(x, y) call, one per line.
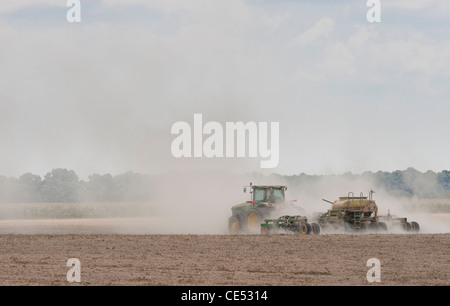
point(234, 225)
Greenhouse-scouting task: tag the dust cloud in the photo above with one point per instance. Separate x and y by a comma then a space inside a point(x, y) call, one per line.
point(200, 203)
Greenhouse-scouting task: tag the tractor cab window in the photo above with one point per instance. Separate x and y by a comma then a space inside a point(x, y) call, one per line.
point(275, 195)
point(268, 195)
point(258, 195)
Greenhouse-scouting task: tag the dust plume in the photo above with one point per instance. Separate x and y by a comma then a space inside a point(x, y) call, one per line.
point(187, 202)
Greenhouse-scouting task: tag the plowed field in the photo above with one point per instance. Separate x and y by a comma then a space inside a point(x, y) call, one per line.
point(116, 259)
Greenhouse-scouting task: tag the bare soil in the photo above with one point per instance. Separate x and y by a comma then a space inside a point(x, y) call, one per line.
point(113, 259)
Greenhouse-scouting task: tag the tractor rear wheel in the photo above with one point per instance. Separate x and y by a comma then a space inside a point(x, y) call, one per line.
point(254, 220)
point(234, 225)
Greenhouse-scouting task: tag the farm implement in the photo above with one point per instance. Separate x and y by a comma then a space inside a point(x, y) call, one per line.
point(295, 224)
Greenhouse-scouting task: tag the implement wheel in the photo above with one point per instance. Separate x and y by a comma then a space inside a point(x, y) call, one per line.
point(265, 230)
point(415, 227)
point(373, 226)
point(315, 228)
point(406, 226)
point(382, 227)
point(305, 229)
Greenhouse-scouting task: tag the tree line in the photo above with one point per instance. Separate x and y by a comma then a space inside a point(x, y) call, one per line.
point(64, 186)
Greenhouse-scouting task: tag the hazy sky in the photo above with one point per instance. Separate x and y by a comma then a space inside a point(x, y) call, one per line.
point(101, 96)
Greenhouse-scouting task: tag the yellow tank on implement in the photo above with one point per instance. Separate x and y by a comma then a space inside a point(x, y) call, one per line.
point(361, 213)
point(362, 204)
point(352, 213)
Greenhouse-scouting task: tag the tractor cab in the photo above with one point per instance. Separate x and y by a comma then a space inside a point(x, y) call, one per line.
point(267, 194)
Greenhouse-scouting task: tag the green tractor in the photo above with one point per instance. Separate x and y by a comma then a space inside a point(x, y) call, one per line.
point(266, 201)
